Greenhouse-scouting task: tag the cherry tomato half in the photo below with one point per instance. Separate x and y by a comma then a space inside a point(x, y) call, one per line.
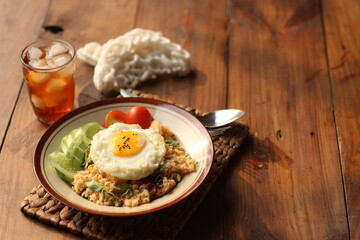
point(113, 117)
point(139, 115)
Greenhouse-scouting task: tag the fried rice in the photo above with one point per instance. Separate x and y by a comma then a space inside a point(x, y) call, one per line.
point(104, 189)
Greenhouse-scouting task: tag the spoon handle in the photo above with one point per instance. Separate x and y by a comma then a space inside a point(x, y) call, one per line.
point(126, 93)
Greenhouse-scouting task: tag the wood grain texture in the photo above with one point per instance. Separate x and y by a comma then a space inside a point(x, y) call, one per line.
point(342, 33)
point(202, 32)
point(19, 26)
point(288, 184)
point(81, 22)
point(293, 66)
point(16, 174)
point(87, 21)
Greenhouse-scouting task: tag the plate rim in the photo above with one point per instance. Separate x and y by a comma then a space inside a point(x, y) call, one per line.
point(52, 128)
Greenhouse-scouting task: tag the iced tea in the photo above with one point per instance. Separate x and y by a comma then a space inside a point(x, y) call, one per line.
point(48, 68)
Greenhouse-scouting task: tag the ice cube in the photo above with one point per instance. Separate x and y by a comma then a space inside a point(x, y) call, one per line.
point(55, 100)
point(37, 102)
point(37, 77)
point(50, 63)
point(55, 92)
point(58, 60)
point(61, 60)
point(34, 53)
point(40, 63)
point(56, 85)
point(57, 49)
point(68, 71)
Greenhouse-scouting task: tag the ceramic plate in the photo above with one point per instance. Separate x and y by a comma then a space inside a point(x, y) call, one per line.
point(191, 133)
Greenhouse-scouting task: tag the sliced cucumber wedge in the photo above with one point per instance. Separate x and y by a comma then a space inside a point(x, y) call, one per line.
point(73, 146)
point(65, 168)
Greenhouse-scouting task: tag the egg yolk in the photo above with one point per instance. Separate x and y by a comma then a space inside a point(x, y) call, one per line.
point(126, 143)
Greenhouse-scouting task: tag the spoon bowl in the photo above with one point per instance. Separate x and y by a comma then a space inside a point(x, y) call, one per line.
point(220, 118)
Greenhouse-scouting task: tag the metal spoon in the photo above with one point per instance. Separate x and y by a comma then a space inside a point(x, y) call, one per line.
point(218, 131)
point(214, 119)
point(221, 118)
point(126, 93)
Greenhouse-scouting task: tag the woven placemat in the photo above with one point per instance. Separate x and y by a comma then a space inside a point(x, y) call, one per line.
point(164, 224)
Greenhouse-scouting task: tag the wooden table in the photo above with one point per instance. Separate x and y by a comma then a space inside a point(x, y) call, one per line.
point(293, 66)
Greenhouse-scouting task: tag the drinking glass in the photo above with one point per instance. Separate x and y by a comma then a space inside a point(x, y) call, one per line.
point(48, 68)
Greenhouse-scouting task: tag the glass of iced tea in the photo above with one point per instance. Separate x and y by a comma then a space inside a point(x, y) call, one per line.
point(48, 68)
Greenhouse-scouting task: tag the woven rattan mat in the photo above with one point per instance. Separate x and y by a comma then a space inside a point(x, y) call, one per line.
point(164, 224)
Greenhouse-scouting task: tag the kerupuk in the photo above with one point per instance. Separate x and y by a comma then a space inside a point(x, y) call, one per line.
point(132, 58)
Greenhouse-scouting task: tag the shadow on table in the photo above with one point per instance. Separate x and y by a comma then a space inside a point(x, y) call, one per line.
point(233, 209)
point(90, 94)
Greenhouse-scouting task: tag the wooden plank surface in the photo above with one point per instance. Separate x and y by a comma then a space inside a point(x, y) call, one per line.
point(342, 33)
point(291, 65)
point(91, 24)
point(202, 32)
point(288, 183)
point(20, 25)
point(77, 18)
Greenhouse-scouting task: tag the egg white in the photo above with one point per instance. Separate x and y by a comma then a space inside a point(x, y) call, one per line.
point(128, 167)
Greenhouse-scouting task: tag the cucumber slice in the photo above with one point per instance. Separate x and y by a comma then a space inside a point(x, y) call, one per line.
point(64, 167)
point(74, 146)
point(91, 129)
point(76, 154)
point(71, 150)
point(77, 141)
point(76, 138)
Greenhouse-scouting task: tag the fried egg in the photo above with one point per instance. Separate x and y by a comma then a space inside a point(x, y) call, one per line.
point(127, 151)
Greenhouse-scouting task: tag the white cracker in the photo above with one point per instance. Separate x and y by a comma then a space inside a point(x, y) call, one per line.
point(132, 58)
